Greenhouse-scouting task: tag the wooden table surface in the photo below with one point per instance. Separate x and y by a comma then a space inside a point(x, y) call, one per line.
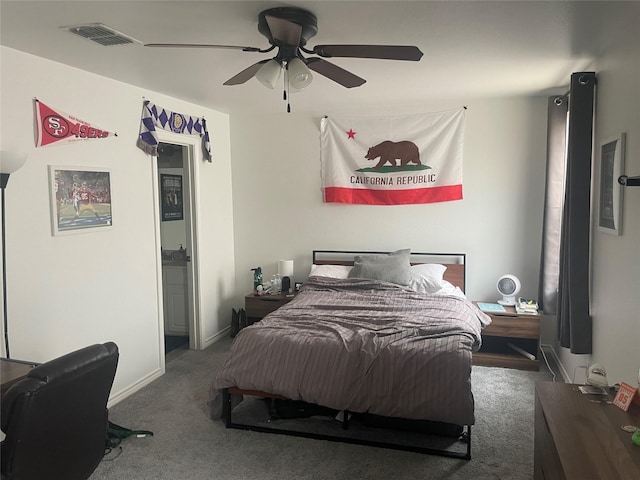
point(13, 370)
point(587, 433)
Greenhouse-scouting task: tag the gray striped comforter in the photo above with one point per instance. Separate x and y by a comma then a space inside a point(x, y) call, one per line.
point(363, 346)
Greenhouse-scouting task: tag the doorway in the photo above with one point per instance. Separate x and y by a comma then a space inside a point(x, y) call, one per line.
point(175, 227)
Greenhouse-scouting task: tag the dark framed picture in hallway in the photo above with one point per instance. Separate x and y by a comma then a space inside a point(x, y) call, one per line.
point(171, 193)
point(80, 199)
point(611, 167)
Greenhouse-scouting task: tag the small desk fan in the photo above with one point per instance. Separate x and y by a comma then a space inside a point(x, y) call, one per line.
point(508, 286)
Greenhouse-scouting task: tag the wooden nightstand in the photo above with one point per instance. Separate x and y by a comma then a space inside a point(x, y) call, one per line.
point(257, 307)
point(523, 331)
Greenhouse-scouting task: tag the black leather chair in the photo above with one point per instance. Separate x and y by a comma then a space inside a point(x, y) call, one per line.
point(55, 419)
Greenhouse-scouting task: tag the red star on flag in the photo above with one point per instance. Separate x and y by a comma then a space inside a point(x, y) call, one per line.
point(351, 133)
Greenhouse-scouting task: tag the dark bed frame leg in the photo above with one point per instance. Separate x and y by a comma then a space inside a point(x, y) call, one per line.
point(345, 420)
point(226, 407)
point(272, 408)
point(466, 437)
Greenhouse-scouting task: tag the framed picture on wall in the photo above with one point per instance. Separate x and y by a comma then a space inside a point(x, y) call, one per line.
point(171, 193)
point(611, 193)
point(80, 199)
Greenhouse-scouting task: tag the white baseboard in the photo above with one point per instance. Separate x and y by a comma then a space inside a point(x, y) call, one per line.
point(215, 338)
point(549, 350)
point(133, 388)
point(154, 375)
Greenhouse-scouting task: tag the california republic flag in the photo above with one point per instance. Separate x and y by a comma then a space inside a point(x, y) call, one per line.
point(393, 160)
point(55, 126)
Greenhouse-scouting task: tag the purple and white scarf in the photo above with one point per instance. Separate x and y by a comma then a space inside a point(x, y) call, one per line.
point(157, 117)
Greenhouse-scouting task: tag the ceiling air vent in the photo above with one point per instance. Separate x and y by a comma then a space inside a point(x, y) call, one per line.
point(99, 33)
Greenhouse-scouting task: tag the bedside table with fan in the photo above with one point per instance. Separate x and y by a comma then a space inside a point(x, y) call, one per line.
point(511, 340)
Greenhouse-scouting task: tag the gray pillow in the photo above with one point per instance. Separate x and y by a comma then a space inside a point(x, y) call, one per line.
point(394, 267)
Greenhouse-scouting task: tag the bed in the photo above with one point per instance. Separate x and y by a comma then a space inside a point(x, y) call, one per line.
point(389, 335)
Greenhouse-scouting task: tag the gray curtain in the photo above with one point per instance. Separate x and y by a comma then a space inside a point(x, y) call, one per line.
point(557, 117)
point(566, 244)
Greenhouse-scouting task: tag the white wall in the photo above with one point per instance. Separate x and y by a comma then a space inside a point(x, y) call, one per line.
point(278, 209)
point(279, 213)
point(615, 300)
point(65, 292)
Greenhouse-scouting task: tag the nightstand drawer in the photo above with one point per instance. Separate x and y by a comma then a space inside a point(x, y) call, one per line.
point(260, 306)
point(520, 327)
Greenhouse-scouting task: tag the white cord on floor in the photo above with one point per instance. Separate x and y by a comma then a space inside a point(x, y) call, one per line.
point(544, 355)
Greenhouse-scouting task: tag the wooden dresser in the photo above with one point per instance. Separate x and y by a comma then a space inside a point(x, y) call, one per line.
point(577, 438)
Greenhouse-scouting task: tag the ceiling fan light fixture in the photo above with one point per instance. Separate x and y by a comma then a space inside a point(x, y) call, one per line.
point(269, 74)
point(289, 29)
point(299, 74)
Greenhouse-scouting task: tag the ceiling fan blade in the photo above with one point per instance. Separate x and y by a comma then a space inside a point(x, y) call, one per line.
point(334, 72)
point(246, 74)
point(386, 52)
point(201, 45)
point(284, 32)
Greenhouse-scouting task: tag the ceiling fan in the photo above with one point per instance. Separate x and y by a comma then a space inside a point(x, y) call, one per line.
point(289, 29)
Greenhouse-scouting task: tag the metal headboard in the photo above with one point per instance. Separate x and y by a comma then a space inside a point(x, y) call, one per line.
point(455, 262)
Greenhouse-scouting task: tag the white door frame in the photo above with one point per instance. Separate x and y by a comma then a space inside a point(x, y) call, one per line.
point(190, 163)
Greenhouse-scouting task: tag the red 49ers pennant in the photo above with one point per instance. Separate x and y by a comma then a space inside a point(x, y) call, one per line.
point(55, 126)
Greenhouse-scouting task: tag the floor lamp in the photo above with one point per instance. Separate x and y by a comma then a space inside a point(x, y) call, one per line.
point(10, 161)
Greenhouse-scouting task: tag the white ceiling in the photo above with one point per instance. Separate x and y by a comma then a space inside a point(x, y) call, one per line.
point(471, 49)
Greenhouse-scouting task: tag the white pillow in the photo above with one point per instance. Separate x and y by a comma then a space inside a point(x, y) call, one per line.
point(332, 271)
point(449, 289)
point(427, 277)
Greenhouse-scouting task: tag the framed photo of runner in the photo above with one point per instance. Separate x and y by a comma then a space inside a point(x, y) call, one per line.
point(80, 199)
point(171, 196)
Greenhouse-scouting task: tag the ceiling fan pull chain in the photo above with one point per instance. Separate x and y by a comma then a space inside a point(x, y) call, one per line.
point(285, 82)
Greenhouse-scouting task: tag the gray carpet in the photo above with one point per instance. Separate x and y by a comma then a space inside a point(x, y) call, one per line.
point(172, 342)
point(187, 445)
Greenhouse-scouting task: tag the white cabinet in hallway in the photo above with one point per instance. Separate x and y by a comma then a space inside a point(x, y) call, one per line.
point(176, 309)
